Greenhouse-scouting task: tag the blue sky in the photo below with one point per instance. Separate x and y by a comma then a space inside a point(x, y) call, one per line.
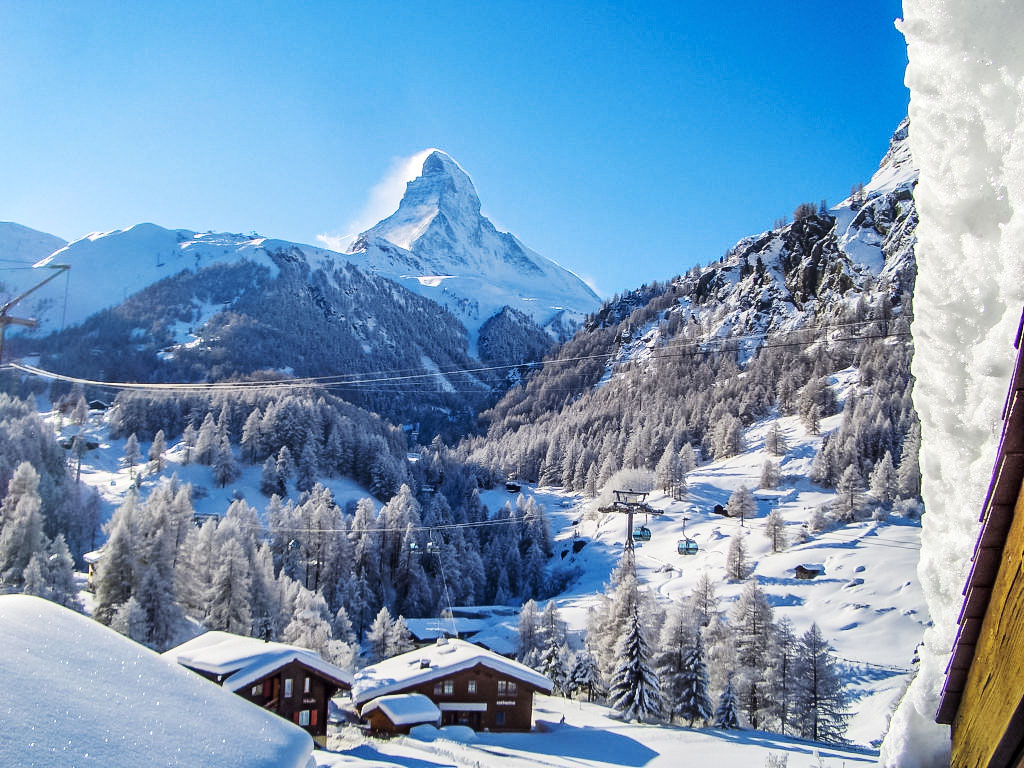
point(627, 141)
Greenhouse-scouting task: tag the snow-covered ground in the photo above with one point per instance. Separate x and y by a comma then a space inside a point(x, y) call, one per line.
point(868, 603)
point(571, 734)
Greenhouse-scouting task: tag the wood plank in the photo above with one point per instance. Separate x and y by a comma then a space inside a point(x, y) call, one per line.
point(996, 678)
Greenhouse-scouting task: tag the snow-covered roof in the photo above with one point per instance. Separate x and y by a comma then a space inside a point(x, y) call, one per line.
point(405, 708)
point(444, 658)
point(431, 629)
point(93, 557)
point(79, 693)
point(244, 660)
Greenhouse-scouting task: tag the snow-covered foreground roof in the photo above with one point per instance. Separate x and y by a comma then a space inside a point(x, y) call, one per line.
point(405, 708)
point(444, 658)
point(78, 693)
point(246, 659)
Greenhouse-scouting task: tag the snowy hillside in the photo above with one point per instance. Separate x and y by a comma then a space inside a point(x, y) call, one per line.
point(22, 246)
point(438, 244)
point(108, 267)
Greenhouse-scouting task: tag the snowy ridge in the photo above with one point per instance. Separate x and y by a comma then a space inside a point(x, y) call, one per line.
point(439, 244)
point(108, 267)
point(790, 277)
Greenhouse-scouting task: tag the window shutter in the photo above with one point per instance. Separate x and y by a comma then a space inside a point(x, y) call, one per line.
point(312, 717)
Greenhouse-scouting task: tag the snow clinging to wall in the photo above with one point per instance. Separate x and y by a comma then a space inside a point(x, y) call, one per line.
point(966, 80)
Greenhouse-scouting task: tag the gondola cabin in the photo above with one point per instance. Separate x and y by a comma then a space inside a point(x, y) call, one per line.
point(643, 533)
point(687, 547)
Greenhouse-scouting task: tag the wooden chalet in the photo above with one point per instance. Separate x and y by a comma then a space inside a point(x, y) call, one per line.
point(983, 695)
point(292, 682)
point(469, 684)
point(400, 712)
point(809, 571)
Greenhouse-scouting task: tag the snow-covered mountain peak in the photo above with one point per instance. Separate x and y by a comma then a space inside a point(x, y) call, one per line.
point(440, 245)
point(442, 191)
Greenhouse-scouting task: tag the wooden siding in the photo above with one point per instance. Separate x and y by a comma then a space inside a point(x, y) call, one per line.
point(994, 691)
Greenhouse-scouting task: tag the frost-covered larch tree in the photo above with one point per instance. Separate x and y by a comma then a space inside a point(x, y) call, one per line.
point(21, 524)
point(775, 530)
point(820, 698)
point(736, 565)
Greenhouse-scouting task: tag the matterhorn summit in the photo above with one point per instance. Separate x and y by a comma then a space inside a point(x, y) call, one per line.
point(438, 244)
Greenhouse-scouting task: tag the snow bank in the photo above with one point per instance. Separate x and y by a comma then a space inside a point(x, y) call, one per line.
point(966, 79)
point(77, 693)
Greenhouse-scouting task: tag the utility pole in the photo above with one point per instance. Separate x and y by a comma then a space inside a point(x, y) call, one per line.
point(6, 320)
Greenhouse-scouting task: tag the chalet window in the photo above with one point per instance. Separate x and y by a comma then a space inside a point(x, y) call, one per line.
point(437, 689)
point(506, 687)
point(304, 717)
point(449, 687)
point(287, 687)
point(511, 688)
point(471, 686)
point(257, 690)
point(499, 717)
point(305, 686)
point(502, 687)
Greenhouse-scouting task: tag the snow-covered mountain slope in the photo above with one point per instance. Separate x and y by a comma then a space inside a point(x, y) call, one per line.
point(108, 267)
point(20, 248)
point(439, 244)
point(796, 275)
point(24, 245)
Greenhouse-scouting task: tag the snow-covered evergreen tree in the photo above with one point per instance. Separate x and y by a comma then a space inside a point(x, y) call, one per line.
point(693, 702)
point(634, 691)
point(553, 663)
point(585, 675)
point(726, 715)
